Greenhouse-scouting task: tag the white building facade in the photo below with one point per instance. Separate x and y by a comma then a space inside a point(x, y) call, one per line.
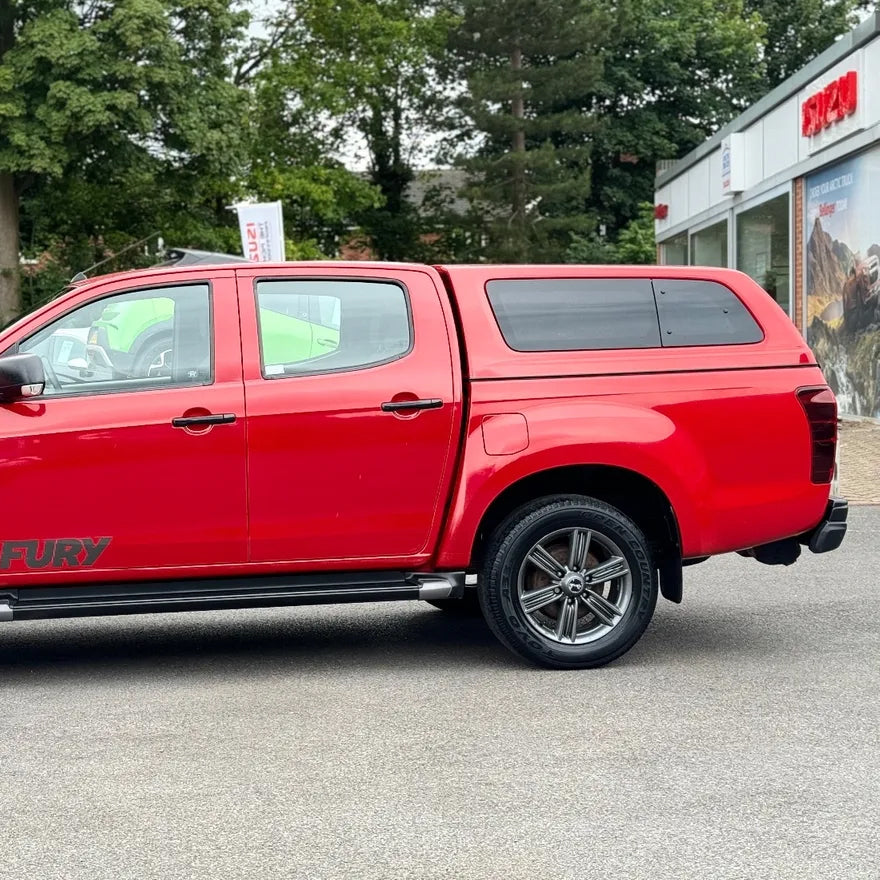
point(789, 193)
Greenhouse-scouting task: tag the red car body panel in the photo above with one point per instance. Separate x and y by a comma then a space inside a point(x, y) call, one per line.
point(701, 439)
point(313, 476)
point(112, 465)
point(332, 477)
point(717, 428)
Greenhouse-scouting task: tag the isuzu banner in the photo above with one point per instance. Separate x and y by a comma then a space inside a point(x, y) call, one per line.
point(262, 231)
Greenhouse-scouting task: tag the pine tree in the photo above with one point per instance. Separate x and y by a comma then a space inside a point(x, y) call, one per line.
point(529, 66)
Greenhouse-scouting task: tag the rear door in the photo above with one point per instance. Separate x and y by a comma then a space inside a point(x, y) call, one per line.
point(353, 402)
point(133, 461)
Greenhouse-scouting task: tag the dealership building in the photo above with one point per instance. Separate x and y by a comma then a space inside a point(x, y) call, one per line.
point(789, 193)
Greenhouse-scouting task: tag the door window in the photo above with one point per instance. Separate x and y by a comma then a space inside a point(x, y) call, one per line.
point(141, 339)
point(320, 326)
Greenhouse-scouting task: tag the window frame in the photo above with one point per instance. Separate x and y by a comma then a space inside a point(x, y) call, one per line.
point(330, 279)
point(663, 243)
point(15, 348)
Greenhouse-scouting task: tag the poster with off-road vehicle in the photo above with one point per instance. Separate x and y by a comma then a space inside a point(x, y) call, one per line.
point(843, 279)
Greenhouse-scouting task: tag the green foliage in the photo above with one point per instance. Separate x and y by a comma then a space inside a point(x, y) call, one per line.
point(798, 30)
point(365, 67)
point(591, 250)
point(118, 119)
point(530, 65)
point(290, 148)
point(635, 244)
point(675, 71)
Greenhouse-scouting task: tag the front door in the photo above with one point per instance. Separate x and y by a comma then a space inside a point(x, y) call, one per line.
point(125, 466)
point(340, 469)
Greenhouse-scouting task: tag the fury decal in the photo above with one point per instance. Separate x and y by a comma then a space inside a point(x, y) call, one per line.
point(61, 553)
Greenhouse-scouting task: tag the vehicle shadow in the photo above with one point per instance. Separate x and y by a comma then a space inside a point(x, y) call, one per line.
point(250, 641)
point(315, 640)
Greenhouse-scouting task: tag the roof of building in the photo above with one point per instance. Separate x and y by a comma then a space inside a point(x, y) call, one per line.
point(839, 50)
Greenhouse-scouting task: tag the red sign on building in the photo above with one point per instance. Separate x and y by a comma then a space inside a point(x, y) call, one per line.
point(835, 102)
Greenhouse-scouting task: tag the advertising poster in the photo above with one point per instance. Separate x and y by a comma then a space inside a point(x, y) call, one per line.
point(262, 232)
point(843, 279)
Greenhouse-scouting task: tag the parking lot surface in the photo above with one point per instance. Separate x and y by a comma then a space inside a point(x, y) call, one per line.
point(739, 739)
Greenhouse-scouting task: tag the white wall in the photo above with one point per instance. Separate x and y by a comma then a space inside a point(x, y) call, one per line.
point(716, 194)
point(698, 188)
point(753, 145)
point(871, 75)
point(781, 135)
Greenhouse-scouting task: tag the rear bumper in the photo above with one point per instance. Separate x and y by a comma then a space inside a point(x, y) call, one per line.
point(829, 534)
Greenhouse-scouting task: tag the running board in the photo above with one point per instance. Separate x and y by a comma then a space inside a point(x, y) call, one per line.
point(40, 603)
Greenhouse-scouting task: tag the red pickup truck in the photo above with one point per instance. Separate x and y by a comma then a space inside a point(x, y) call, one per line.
point(550, 444)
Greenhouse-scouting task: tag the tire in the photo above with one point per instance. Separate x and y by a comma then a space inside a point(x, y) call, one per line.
point(151, 351)
point(591, 623)
point(467, 606)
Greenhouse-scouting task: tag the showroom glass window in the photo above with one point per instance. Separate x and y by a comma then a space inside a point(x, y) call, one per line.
point(762, 247)
point(709, 246)
point(674, 251)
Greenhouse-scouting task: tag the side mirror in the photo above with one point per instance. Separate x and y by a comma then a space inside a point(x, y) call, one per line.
point(21, 377)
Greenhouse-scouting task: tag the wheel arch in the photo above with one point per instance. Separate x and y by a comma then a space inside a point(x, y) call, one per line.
point(641, 499)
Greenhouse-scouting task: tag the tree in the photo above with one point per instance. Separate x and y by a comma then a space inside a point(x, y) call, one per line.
point(289, 159)
point(125, 94)
point(799, 30)
point(675, 71)
point(635, 244)
point(365, 67)
point(530, 67)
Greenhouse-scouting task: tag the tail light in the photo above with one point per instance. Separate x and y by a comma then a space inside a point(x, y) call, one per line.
point(820, 406)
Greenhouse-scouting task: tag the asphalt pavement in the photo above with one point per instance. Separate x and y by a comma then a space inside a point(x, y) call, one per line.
point(739, 739)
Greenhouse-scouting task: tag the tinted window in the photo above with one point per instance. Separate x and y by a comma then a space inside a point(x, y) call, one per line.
point(318, 326)
point(137, 340)
point(570, 314)
point(703, 313)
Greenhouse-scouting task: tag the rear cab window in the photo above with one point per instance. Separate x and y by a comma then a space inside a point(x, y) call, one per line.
point(596, 314)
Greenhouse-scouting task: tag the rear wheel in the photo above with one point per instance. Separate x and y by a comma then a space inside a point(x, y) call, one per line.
point(568, 583)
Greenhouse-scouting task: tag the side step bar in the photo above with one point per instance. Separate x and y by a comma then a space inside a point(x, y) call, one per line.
point(40, 603)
